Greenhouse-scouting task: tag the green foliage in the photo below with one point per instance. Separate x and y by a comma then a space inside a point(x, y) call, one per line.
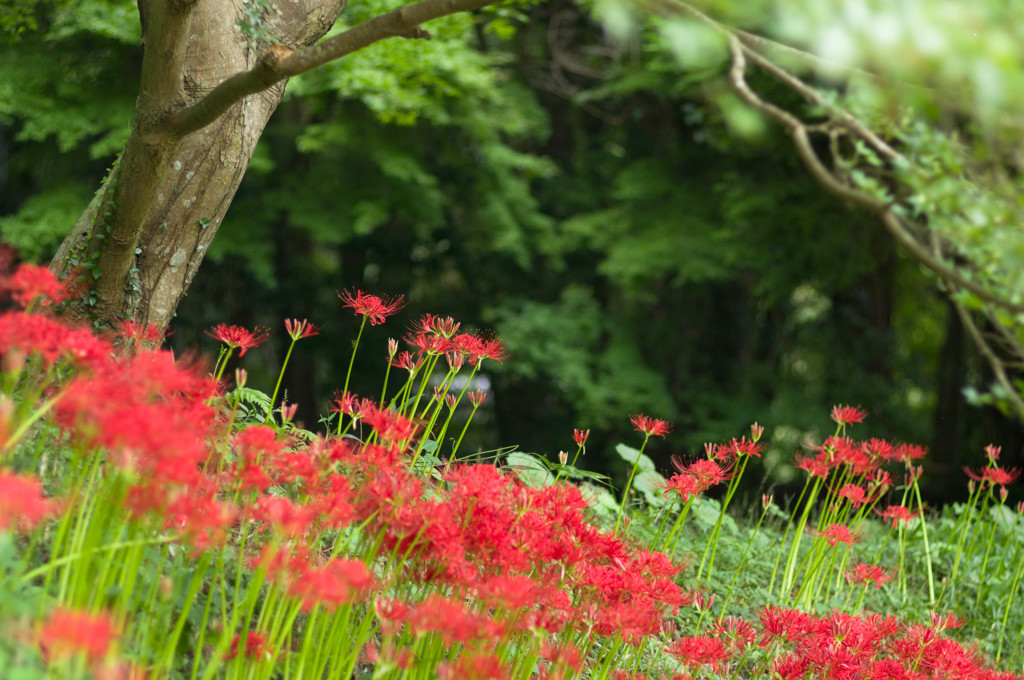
point(83, 89)
point(647, 481)
point(599, 366)
point(43, 219)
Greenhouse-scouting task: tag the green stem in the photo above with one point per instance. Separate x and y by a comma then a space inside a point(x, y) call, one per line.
point(280, 377)
point(629, 482)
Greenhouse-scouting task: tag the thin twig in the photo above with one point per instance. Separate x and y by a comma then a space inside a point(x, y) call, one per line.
point(994, 362)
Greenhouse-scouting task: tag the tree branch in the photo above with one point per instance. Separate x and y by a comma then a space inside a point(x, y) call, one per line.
point(165, 35)
point(279, 62)
point(994, 362)
point(884, 209)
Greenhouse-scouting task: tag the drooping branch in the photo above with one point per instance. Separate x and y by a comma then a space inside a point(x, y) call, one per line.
point(280, 63)
point(883, 209)
point(919, 241)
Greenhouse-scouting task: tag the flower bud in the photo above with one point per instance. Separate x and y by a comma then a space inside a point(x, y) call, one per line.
point(756, 431)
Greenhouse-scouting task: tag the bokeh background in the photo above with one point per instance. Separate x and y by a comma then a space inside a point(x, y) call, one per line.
point(639, 240)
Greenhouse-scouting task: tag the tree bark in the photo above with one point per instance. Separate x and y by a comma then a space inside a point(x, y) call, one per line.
point(143, 238)
point(207, 92)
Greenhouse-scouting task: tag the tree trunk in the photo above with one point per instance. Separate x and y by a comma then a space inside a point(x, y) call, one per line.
point(160, 208)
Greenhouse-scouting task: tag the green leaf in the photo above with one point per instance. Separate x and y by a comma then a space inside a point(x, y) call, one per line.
point(531, 469)
point(651, 484)
point(631, 455)
point(600, 499)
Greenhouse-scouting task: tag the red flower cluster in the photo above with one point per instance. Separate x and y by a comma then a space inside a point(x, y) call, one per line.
point(864, 573)
point(434, 336)
point(835, 534)
point(862, 458)
point(696, 478)
point(898, 513)
point(650, 426)
point(34, 284)
point(848, 415)
point(374, 308)
point(864, 648)
point(514, 563)
point(22, 505)
point(994, 476)
point(69, 632)
point(239, 338)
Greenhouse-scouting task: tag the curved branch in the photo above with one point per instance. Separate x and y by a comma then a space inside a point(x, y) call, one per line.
point(893, 224)
point(279, 63)
point(994, 362)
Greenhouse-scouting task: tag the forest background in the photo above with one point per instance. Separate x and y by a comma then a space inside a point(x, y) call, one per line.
point(597, 194)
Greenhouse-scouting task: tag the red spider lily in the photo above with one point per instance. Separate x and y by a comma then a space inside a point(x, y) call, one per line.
point(991, 476)
point(453, 621)
point(351, 405)
point(881, 481)
point(474, 665)
point(687, 486)
point(52, 341)
point(734, 449)
point(476, 397)
point(863, 573)
point(836, 533)
point(33, 283)
point(336, 583)
point(878, 450)
point(709, 473)
point(374, 308)
point(737, 631)
point(580, 436)
point(290, 518)
point(434, 325)
point(428, 343)
point(992, 452)
point(488, 348)
point(815, 466)
point(847, 415)
point(405, 361)
point(254, 647)
point(69, 632)
point(898, 513)
point(698, 650)
point(790, 667)
point(200, 516)
point(239, 338)
point(947, 620)
point(907, 452)
point(22, 505)
point(779, 623)
point(855, 494)
point(391, 613)
point(455, 360)
point(844, 451)
point(650, 426)
point(300, 329)
point(566, 654)
point(139, 332)
point(390, 426)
